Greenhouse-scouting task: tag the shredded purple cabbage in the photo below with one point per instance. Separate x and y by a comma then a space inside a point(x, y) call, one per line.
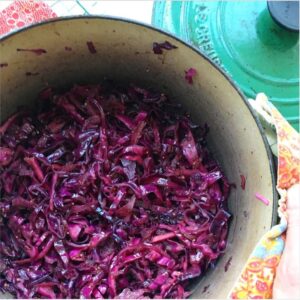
point(159, 47)
point(190, 74)
point(107, 193)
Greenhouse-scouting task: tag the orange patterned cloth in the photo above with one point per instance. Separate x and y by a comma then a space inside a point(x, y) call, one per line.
point(257, 277)
point(24, 12)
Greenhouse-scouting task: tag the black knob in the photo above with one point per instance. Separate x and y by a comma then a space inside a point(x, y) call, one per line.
point(285, 13)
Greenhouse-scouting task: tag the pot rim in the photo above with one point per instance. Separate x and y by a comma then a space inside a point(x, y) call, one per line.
point(198, 51)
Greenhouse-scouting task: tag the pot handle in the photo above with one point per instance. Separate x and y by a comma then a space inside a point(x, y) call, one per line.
point(285, 13)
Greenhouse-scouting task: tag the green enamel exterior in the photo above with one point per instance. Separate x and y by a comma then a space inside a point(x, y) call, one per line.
point(244, 40)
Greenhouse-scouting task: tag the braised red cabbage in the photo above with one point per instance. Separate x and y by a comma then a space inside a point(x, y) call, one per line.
point(158, 47)
point(190, 74)
point(107, 193)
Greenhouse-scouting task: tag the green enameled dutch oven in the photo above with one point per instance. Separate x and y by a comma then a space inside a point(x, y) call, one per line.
point(255, 42)
point(124, 53)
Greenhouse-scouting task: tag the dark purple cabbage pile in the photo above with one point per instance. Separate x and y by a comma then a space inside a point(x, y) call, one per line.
point(107, 193)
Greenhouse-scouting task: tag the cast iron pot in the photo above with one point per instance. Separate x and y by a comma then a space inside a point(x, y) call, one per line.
point(124, 54)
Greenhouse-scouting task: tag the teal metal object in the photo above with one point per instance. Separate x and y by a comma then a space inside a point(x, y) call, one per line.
point(241, 37)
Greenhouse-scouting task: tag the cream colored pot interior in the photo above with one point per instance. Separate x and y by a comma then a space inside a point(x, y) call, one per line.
point(124, 53)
